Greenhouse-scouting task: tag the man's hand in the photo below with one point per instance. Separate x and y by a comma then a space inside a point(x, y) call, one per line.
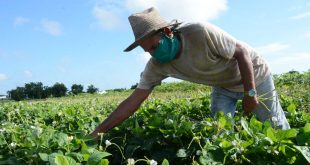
point(248, 104)
point(123, 111)
point(247, 77)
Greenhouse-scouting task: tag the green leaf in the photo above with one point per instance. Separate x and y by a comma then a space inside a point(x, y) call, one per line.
point(61, 160)
point(292, 108)
point(165, 162)
point(292, 160)
point(181, 153)
point(305, 151)
point(166, 131)
point(279, 135)
point(246, 127)
point(247, 143)
point(44, 156)
point(52, 157)
point(11, 160)
point(64, 160)
point(95, 158)
point(103, 162)
point(58, 159)
point(286, 134)
point(2, 141)
point(185, 127)
point(208, 158)
point(271, 134)
point(225, 144)
point(256, 125)
point(85, 157)
point(60, 138)
point(282, 148)
point(304, 135)
point(84, 148)
point(78, 156)
point(306, 128)
point(222, 122)
point(267, 139)
point(267, 124)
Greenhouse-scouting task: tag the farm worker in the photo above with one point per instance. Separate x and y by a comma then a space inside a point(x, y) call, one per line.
point(205, 54)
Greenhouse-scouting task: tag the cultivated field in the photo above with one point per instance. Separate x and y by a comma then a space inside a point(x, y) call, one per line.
point(173, 126)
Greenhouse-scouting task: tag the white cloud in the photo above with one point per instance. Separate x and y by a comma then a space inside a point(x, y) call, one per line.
point(20, 21)
point(52, 27)
point(301, 16)
point(3, 77)
point(307, 34)
point(280, 59)
point(107, 16)
point(184, 10)
point(28, 73)
point(109, 13)
point(272, 48)
point(298, 61)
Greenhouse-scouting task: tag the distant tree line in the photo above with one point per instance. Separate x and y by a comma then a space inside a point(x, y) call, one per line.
point(36, 90)
point(292, 77)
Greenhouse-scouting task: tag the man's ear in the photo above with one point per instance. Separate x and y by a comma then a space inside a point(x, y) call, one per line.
point(168, 31)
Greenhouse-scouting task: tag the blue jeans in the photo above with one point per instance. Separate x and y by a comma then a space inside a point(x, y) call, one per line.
point(226, 101)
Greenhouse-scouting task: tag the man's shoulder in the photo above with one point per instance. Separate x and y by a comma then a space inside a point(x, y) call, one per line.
point(192, 27)
point(200, 26)
point(152, 65)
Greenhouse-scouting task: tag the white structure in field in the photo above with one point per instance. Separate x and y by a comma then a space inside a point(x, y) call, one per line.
point(3, 97)
point(102, 92)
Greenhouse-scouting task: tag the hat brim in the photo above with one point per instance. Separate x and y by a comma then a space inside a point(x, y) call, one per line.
point(136, 43)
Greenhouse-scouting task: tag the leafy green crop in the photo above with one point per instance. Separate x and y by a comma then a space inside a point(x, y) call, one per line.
point(174, 131)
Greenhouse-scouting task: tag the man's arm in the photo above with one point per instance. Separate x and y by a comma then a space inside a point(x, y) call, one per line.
point(123, 111)
point(247, 75)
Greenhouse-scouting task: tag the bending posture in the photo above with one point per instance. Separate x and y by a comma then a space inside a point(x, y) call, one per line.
point(205, 54)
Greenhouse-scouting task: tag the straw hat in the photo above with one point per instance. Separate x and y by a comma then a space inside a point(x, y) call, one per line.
point(146, 23)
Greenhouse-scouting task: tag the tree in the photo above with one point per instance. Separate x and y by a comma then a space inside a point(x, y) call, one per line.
point(76, 88)
point(17, 94)
point(34, 90)
point(47, 92)
point(134, 86)
point(92, 89)
point(58, 90)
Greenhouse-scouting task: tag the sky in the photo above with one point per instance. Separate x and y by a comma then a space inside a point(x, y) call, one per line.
point(82, 41)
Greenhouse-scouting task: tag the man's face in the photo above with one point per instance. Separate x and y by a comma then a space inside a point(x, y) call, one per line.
point(150, 44)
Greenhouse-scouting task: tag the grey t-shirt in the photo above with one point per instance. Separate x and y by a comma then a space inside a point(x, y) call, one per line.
point(206, 58)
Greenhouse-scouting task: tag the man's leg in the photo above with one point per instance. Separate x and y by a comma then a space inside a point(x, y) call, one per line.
point(223, 100)
point(269, 106)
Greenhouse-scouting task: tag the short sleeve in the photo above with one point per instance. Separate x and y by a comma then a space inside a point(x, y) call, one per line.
point(151, 76)
point(220, 42)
